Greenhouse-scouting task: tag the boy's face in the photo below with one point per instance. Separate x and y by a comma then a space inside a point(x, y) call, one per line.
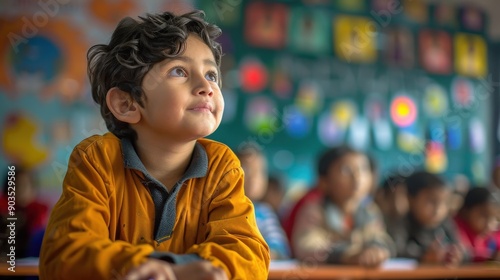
point(430, 206)
point(481, 218)
point(348, 178)
point(255, 168)
point(183, 100)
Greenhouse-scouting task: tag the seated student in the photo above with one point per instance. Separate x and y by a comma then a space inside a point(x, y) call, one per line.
point(476, 222)
point(153, 199)
point(391, 198)
point(30, 211)
point(332, 225)
point(254, 165)
point(428, 234)
point(274, 194)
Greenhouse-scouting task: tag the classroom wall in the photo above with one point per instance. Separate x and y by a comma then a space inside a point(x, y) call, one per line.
point(311, 75)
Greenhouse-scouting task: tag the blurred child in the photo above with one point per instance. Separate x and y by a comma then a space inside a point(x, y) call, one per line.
point(391, 198)
point(275, 194)
point(461, 186)
point(31, 213)
point(254, 165)
point(476, 223)
point(427, 234)
point(495, 174)
point(333, 225)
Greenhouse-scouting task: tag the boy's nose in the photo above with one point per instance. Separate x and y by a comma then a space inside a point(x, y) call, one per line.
point(203, 87)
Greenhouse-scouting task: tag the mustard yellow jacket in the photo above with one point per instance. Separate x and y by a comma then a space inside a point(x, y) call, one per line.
point(104, 223)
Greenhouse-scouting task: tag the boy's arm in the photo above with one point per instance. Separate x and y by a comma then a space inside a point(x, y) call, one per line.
point(310, 239)
point(76, 243)
point(233, 241)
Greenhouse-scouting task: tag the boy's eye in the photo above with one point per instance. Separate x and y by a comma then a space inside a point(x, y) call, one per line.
point(211, 76)
point(177, 72)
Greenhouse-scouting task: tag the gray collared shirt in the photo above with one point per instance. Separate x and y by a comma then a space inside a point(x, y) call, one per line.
point(165, 202)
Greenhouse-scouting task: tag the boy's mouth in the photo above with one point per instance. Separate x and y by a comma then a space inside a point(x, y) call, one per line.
point(203, 107)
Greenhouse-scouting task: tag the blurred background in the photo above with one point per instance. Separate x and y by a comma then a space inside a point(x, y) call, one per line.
point(412, 83)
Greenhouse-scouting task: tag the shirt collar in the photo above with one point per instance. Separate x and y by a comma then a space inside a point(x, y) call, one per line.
point(197, 168)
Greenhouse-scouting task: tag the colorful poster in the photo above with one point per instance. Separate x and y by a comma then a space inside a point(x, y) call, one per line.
point(307, 31)
point(435, 51)
point(359, 133)
point(253, 75)
point(409, 140)
point(281, 83)
point(351, 5)
point(416, 11)
point(435, 101)
point(110, 12)
point(260, 114)
point(436, 160)
point(330, 133)
point(343, 112)
point(470, 55)
point(399, 49)
point(52, 60)
point(403, 111)
point(375, 107)
point(224, 13)
point(20, 141)
point(477, 135)
point(382, 134)
point(309, 98)
point(462, 92)
point(354, 38)
point(471, 18)
point(297, 124)
point(445, 14)
point(266, 25)
point(454, 135)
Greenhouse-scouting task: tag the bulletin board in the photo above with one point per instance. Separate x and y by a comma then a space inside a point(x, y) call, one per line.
point(405, 81)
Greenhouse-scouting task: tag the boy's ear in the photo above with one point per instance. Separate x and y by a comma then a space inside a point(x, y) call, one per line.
point(123, 106)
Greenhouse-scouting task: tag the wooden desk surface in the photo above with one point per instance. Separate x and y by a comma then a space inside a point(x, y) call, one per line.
point(350, 272)
point(20, 270)
point(341, 272)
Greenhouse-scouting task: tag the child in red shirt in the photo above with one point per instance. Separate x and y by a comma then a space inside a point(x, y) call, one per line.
point(476, 224)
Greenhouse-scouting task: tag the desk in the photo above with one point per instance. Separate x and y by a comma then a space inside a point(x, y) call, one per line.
point(350, 272)
point(21, 270)
point(341, 272)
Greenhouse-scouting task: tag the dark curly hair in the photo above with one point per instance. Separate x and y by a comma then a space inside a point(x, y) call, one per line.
point(135, 46)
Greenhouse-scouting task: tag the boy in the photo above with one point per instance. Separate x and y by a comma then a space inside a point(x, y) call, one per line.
point(427, 233)
point(333, 225)
point(153, 199)
point(391, 198)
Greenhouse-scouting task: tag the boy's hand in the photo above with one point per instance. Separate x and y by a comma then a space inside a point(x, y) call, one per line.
point(454, 255)
point(373, 256)
point(161, 270)
point(369, 257)
point(435, 253)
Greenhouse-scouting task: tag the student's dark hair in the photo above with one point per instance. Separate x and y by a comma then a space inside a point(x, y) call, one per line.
point(135, 46)
point(422, 180)
point(330, 156)
point(276, 182)
point(476, 196)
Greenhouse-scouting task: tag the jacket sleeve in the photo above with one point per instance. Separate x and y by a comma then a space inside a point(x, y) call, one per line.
point(76, 243)
point(233, 241)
